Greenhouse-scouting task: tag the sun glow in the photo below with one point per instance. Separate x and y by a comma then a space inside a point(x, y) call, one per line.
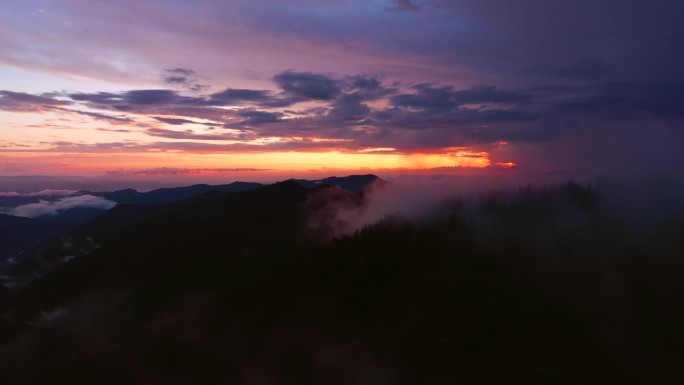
point(278, 161)
point(507, 164)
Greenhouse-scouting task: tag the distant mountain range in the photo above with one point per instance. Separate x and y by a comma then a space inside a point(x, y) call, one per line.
point(352, 183)
point(23, 234)
point(168, 195)
point(18, 234)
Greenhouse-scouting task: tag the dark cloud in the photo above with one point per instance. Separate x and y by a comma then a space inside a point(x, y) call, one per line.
point(307, 85)
point(150, 97)
point(365, 83)
point(23, 102)
point(184, 77)
point(255, 118)
point(180, 71)
point(138, 101)
point(361, 111)
point(115, 119)
point(370, 88)
point(236, 97)
point(512, 133)
point(99, 97)
point(348, 109)
point(534, 73)
point(143, 100)
point(589, 69)
point(427, 97)
point(664, 100)
point(431, 97)
point(131, 98)
point(487, 116)
point(196, 87)
point(458, 120)
point(115, 130)
point(554, 108)
point(404, 5)
point(196, 111)
point(175, 80)
point(22, 97)
point(233, 96)
point(490, 94)
point(193, 135)
point(173, 121)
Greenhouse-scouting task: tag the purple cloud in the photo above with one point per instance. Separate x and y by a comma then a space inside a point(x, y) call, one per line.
point(444, 115)
point(24, 102)
point(308, 85)
point(405, 5)
point(425, 76)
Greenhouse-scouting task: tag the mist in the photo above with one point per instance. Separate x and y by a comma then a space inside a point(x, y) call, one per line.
point(498, 205)
point(52, 208)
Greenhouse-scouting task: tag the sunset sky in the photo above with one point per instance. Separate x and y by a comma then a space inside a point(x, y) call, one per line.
point(223, 90)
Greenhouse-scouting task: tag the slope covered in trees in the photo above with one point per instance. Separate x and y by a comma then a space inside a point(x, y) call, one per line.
point(536, 286)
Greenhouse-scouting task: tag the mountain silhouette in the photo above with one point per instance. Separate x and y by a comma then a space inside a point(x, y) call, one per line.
point(538, 286)
point(168, 195)
point(351, 183)
point(19, 233)
point(133, 207)
point(168, 238)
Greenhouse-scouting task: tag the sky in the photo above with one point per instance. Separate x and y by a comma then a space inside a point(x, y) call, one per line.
point(161, 92)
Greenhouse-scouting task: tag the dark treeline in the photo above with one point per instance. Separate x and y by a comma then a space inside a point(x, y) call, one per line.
point(537, 286)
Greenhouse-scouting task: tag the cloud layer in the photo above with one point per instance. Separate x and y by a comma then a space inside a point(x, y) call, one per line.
point(50, 208)
point(583, 86)
point(314, 111)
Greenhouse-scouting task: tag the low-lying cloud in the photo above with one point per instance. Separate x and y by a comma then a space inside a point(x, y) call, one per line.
point(45, 208)
point(640, 206)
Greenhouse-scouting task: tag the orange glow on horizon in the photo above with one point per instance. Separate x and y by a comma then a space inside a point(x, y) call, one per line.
point(507, 164)
point(260, 163)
